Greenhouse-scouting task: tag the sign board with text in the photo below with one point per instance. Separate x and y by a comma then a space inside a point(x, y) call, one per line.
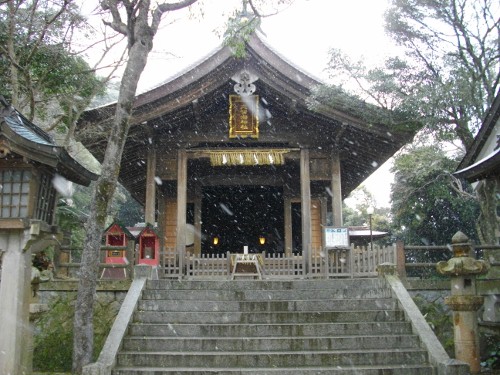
point(336, 237)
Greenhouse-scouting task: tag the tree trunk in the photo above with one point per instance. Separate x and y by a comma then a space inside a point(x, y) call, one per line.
point(488, 221)
point(463, 132)
point(105, 187)
point(14, 79)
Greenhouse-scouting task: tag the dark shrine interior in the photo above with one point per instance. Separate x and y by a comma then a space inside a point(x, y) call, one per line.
point(242, 215)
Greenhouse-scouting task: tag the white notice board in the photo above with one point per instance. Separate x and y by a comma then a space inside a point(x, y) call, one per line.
point(336, 237)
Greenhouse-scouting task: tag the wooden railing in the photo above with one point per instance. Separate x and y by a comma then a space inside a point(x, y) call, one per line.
point(366, 260)
point(170, 267)
point(352, 262)
point(349, 262)
point(407, 267)
point(280, 266)
point(208, 266)
point(357, 261)
point(67, 262)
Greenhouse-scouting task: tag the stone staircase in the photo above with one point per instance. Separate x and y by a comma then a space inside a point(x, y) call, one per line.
point(348, 326)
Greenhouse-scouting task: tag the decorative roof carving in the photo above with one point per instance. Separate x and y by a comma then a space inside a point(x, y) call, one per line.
point(244, 83)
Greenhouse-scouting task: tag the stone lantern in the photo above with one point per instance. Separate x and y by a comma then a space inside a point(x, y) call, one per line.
point(29, 162)
point(464, 302)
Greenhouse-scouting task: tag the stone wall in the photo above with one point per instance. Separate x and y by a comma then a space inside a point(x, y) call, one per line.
point(107, 291)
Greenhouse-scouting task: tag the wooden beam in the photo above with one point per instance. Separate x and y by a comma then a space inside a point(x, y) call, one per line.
point(231, 180)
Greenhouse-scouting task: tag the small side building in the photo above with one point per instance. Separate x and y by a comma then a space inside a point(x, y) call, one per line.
point(30, 160)
point(120, 244)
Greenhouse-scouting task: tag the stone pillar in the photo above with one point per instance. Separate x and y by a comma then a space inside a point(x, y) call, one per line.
point(336, 192)
point(15, 292)
point(150, 205)
point(463, 300)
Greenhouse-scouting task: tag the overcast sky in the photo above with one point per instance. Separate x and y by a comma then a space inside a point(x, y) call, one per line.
point(302, 32)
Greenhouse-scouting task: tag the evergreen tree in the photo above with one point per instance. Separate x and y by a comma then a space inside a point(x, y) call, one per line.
point(426, 208)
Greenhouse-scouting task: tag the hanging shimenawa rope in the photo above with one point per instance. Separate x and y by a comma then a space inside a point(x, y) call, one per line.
point(247, 157)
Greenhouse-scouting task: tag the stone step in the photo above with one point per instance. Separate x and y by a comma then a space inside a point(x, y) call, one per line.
point(269, 294)
point(343, 370)
point(256, 344)
point(264, 359)
point(268, 317)
point(245, 285)
point(348, 326)
point(268, 305)
point(270, 330)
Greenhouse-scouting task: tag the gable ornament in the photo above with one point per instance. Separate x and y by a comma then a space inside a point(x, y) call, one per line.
point(244, 107)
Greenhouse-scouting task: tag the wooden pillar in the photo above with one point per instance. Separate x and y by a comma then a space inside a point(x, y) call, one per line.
point(197, 219)
point(162, 226)
point(324, 208)
point(288, 225)
point(180, 242)
point(336, 192)
point(401, 259)
point(305, 199)
point(150, 206)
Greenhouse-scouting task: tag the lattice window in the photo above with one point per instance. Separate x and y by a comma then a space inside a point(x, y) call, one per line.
point(46, 200)
point(14, 193)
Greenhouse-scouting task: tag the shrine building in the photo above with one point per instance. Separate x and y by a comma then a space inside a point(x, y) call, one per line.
point(237, 149)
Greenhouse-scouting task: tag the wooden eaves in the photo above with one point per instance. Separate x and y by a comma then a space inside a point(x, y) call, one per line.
point(197, 100)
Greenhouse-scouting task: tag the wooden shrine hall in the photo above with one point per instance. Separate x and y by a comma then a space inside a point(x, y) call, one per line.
point(233, 148)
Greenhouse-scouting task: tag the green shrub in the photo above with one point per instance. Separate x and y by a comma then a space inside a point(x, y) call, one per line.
point(440, 320)
point(53, 337)
point(491, 356)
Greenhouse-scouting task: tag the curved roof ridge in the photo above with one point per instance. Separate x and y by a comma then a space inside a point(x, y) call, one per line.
point(255, 41)
point(185, 69)
point(221, 47)
point(269, 46)
point(175, 76)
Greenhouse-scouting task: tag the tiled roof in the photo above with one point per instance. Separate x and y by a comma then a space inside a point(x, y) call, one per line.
point(21, 126)
point(30, 141)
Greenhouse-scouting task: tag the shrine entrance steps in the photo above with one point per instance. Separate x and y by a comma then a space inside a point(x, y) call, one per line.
point(342, 326)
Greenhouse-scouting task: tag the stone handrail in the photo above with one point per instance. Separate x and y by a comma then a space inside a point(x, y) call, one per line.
point(107, 357)
point(437, 355)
